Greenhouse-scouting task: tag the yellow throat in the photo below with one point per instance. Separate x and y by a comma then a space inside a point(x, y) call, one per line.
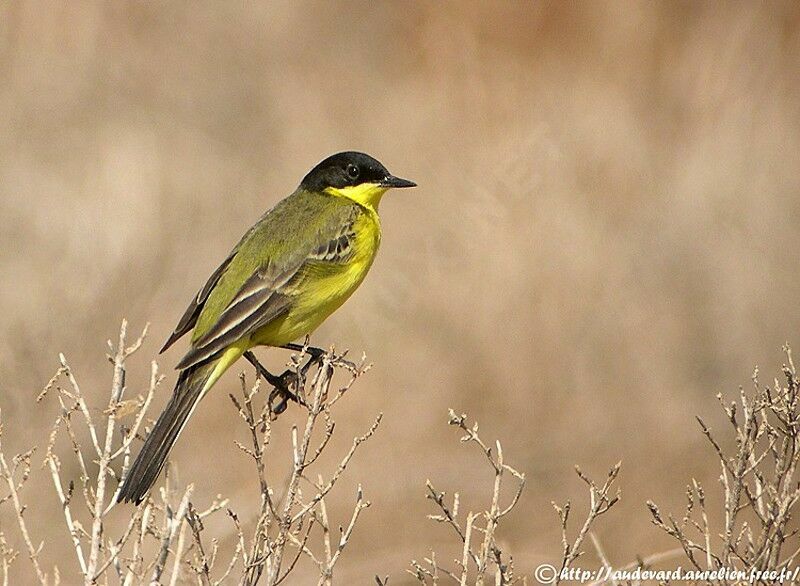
point(367, 195)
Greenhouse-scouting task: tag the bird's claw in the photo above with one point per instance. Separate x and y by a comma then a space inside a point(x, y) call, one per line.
point(290, 379)
point(282, 392)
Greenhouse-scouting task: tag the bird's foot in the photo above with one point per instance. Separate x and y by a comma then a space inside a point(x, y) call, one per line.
point(282, 393)
point(282, 384)
point(316, 355)
point(289, 385)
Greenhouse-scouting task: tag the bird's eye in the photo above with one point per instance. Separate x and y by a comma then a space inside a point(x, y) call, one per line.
point(352, 171)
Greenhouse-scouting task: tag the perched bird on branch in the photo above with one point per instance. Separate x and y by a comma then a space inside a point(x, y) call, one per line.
point(288, 273)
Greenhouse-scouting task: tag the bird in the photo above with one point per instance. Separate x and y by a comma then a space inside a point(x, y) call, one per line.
point(290, 271)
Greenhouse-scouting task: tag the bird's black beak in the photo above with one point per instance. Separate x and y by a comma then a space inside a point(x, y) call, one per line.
point(396, 182)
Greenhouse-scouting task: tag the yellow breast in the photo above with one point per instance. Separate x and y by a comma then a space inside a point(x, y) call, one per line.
point(326, 287)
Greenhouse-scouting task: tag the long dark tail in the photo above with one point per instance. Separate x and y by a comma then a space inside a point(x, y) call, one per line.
point(157, 446)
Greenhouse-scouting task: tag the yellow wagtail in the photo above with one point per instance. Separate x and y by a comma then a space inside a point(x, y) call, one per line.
point(287, 274)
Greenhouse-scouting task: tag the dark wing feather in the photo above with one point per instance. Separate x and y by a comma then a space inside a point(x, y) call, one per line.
point(337, 250)
point(189, 318)
point(261, 299)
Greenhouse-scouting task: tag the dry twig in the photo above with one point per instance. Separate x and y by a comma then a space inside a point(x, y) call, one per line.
point(601, 499)
point(480, 557)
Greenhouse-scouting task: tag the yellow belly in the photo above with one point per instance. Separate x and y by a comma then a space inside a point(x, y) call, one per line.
point(324, 290)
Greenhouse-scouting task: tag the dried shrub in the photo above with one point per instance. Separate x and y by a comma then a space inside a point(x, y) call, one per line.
point(759, 482)
point(165, 539)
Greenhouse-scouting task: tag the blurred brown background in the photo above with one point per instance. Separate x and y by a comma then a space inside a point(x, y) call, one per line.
point(604, 236)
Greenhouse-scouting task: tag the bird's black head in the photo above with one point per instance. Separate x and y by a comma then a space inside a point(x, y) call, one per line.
point(351, 169)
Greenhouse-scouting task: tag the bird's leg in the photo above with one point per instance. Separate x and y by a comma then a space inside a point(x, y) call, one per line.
point(314, 352)
point(272, 379)
point(315, 358)
point(280, 383)
point(283, 383)
point(316, 355)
